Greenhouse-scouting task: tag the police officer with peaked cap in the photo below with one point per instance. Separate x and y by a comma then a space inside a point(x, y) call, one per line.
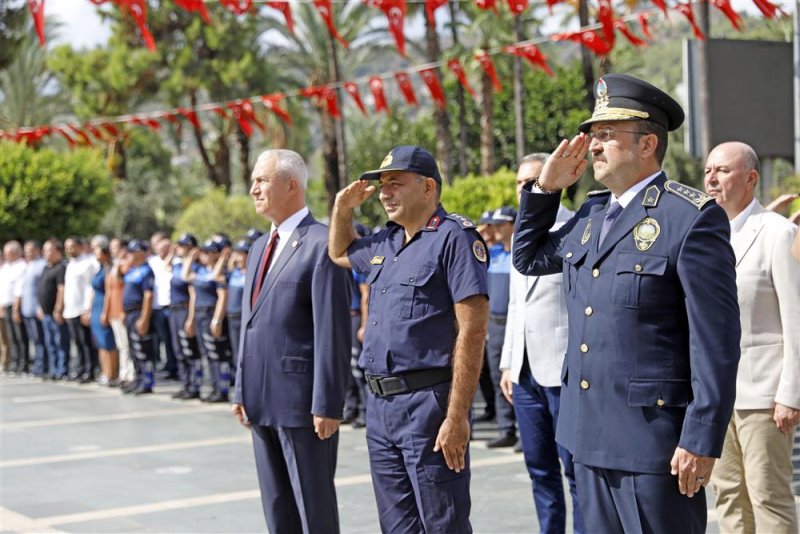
point(236, 278)
point(181, 323)
point(649, 378)
point(423, 344)
point(137, 303)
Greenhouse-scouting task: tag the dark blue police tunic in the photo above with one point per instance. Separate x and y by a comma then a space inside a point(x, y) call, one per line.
point(217, 351)
point(411, 327)
point(137, 281)
point(234, 315)
point(185, 347)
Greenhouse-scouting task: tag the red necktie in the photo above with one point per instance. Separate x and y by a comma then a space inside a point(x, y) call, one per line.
point(262, 272)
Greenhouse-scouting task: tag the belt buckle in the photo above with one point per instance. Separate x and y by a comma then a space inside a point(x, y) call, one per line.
point(375, 385)
point(393, 385)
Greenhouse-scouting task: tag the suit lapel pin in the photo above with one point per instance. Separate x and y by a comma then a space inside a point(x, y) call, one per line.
point(295, 243)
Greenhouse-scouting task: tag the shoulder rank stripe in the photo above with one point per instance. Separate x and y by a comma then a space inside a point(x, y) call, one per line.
point(689, 194)
point(461, 220)
point(651, 196)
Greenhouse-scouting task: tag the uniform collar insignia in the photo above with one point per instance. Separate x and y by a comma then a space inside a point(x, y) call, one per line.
point(651, 196)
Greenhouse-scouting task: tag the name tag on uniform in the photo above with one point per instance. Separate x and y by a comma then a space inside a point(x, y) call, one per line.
point(377, 260)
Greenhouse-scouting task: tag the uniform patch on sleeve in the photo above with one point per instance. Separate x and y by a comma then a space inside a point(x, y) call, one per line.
point(479, 249)
point(689, 194)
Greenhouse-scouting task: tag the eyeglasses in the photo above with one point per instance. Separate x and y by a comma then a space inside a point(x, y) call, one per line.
point(607, 134)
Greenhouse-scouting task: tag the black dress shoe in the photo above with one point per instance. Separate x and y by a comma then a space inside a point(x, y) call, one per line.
point(142, 391)
point(85, 379)
point(129, 387)
point(518, 447)
point(359, 423)
point(190, 395)
point(488, 415)
point(180, 394)
point(216, 397)
point(509, 440)
point(73, 378)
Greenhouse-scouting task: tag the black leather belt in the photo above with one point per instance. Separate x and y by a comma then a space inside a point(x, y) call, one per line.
point(129, 310)
point(179, 306)
point(236, 315)
point(385, 386)
point(205, 308)
point(498, 319)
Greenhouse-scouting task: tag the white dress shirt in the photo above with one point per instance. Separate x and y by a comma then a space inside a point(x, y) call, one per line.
point(163, 279)
point(78, 285)
point(285, 230)
point(10, 276)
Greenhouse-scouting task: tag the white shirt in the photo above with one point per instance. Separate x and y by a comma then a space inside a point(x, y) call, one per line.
point(285, 231)
point(737, 223)
point(78, 285)
point(10, 276)
point(163, 278)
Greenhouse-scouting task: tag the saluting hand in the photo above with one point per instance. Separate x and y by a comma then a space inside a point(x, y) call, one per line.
point(354, 194)
point(566, 164)
point(452, 441)
point(325, 427)
point(692, 470)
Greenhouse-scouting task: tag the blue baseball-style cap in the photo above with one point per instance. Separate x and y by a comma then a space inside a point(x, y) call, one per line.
point(253, 234)
point(407, 158)
point(187, 240)
point(138, 245)
point(486, 217)
point(506, 214)
point(211, 246)
point(242, 246)
point(223, 241)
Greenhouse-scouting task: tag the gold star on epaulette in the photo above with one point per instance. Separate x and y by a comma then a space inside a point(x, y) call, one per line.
point(691, 195)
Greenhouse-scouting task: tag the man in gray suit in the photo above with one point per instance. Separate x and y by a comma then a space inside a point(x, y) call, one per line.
point(753, 477)
point(294, 353)
point(533, 353)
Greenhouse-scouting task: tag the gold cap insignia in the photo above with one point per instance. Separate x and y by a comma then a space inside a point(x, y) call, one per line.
point(386, 161)
point(479, 249)
point(587, 233)
point(645, 233)
point(602, 95)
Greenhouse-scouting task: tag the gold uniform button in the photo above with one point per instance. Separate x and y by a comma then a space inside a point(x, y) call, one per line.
point(660, 403)
point(637, 268)
point(569, 254)
point(588, 311)
point(584, 384)
point(584, 348)
point(595, 272)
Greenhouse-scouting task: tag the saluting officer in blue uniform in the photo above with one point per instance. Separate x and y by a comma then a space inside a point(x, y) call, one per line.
point(650, 371)
point(137, 303)
point(423, 345)
point(181, 323)
point(236, 277)
point(209, 305)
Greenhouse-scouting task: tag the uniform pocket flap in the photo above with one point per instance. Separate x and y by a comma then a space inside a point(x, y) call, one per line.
point(573, 254)
point(641, 264)
point(420, 278)
point(655, 393)
point(293, 364)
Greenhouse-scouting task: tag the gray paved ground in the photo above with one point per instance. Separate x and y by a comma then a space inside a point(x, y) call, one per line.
point(88, 459)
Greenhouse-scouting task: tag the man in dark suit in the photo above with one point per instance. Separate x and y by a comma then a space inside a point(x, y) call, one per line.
point(294, 353)
point(649, 378)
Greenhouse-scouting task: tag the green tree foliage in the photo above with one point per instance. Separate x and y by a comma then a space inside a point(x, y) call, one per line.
point(13, 27)
point(45, 193)
point(218, 212)
point(472, 195)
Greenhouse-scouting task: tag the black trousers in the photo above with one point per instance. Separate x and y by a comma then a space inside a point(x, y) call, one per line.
point(86, 357)
point(18, 356)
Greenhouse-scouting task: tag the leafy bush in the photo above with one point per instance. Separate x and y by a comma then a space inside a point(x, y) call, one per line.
point(472, 195)
point(217, 212)
point(45, 193)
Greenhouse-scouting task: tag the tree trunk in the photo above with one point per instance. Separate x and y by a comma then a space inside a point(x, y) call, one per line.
point(487, 125)
point(462, 107)
point(338, 123)
point(119, 159)
point(586, 58)
point(244, 155)
point(444, 145)
point(330, 157)
point(201, 147)
point(222, 163)
point(519, 113)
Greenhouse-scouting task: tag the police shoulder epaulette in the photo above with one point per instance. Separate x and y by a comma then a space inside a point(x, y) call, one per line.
point(691, 195)
point(598, 192)
point(464, 222)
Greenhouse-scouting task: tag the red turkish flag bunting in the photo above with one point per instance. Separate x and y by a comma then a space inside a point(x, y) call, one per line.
point(728, 11)
point(588, 38)
point(220, 111)
point(769, 9)
point(82, 136)
point(65, 135)
point(660, 4)
point(240, 117)
point(376, 87)
point(37, 12)
point(404, 82)
point(686, 11)
point(629, 35)
point(94, 131)
point(352, 90)
point(151, 123)
point(486, 5)
point(323, 94)
point(487, 64)
point(271, 103)
point(195, 6)
point(532, 53)
point(551, 3)
point(286, 9)
point(456, 68)
point(237, 7)
point(325, 9)
point(395, 11)
point(431, 78)
point(431, 6)
point(110, 128)
point(517, 7)
point(191, 116)
point(605, 16)
point(644, 22)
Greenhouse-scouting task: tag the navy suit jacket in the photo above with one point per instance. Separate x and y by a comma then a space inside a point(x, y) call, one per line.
point(294, 355)
point(654, 325)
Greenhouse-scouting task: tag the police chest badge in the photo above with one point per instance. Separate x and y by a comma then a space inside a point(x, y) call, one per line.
point(587, 233)
point(377, 260)
point(645, 233)
point(479, 249)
